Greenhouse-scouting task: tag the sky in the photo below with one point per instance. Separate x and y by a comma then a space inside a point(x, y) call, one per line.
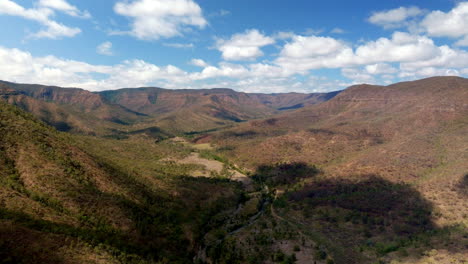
point(267, 46)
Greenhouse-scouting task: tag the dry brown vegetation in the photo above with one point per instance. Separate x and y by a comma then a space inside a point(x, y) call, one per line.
point(414, 132)
point(373, 175)
point(105, 207)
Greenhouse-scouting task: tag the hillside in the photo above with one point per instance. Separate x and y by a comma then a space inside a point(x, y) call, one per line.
point(65, 205)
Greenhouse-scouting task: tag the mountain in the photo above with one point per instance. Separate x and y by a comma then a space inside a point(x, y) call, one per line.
point(205, 109)
point(70, 109)
point(373, 145)
point(372, 121)
point(159, 101)
point(290, 101)
point(138, 109)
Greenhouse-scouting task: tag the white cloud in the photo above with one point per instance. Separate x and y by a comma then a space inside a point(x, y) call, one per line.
point(395, 17)
point(413, 56)
point(105, 48)
point(199, 63)
point(21, 66)
point(155, 19)
point(313, 52)
point(308, 53)
point(232, 70)
point(64, 6)
point(451, 24)
point(445, 58)
point(311, 46)
point(245, 46)
point(224, 70)
point(42, 14)
point(55, 30)
point(402, 47)
point(179, 45)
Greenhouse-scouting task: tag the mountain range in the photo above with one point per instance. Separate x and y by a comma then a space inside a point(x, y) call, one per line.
point(370, 174)
point(174, 111)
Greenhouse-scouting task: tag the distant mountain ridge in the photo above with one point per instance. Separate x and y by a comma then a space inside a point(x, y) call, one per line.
point(176, 111)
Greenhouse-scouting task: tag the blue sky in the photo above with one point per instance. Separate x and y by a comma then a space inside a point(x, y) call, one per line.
point(248, 45)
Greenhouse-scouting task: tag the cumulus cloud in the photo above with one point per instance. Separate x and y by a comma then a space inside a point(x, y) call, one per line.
point(105, 48)
point(155, 19)
point(313, 52)
point(413, 55)
point(223, 70)
point(445, 58)
point(244, 46)
point(395, 18)
point(20, 66)
point(451, 24)
point(236, 71)
point(401, 47)
point(402, 54)
point(42, 14)
point(311, 47)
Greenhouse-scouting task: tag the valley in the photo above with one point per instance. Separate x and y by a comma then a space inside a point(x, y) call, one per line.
point(370, 174)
